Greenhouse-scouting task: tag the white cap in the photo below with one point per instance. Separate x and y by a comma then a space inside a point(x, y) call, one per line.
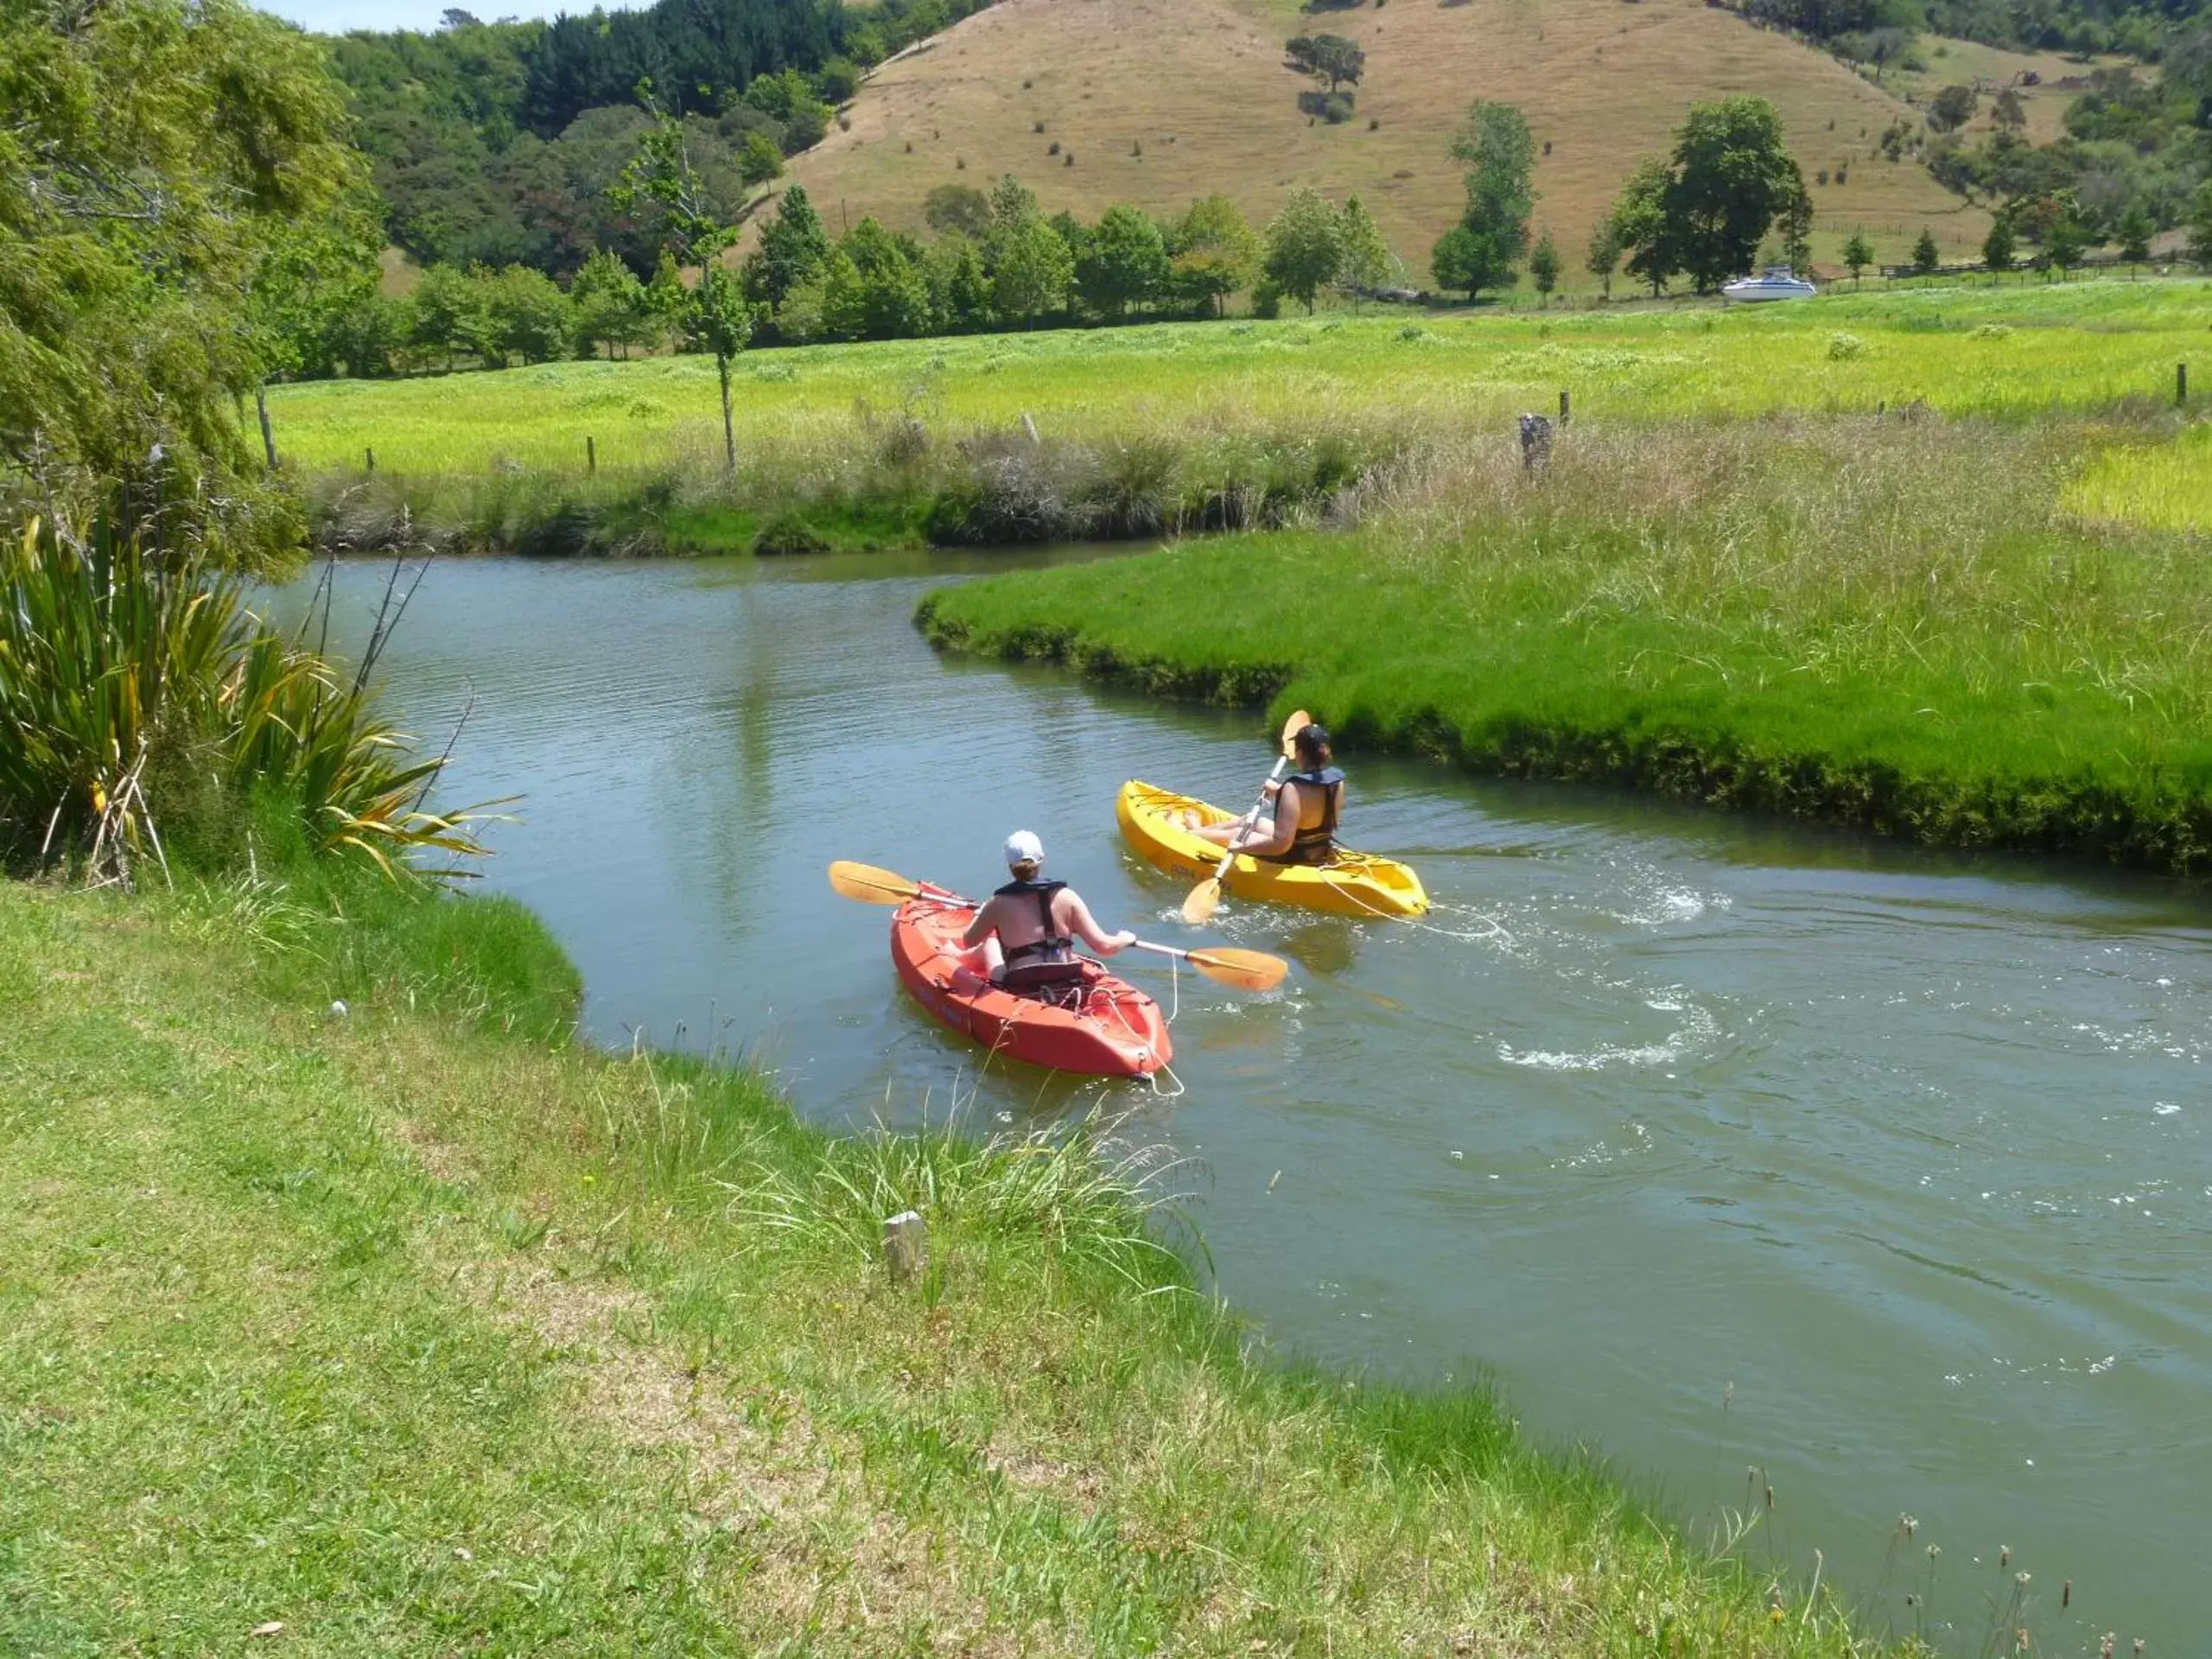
point(1022, 847)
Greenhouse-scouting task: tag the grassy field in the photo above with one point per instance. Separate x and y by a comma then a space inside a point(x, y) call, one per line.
point(1897, 623)
point(2019, 349)
point(418, 1328)
point(1160, 103)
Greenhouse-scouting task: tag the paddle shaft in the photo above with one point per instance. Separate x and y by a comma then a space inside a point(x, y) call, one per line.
point(1243, 829)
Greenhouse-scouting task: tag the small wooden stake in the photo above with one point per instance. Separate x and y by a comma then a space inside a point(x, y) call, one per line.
point(1565, 407)
point(370, 456)
point(2181, 384)
point(591, 457)
point(905, 1245)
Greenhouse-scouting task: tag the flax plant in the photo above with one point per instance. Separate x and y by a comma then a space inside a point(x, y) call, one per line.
point(132, 673)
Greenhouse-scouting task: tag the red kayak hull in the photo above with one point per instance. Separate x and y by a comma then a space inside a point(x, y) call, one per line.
point(1117, 1031)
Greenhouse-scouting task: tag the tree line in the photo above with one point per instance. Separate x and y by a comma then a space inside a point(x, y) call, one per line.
point(995, 260)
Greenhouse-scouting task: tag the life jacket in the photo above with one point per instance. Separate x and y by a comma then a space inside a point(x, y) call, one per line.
point(1315, 843)
point(1045, 963)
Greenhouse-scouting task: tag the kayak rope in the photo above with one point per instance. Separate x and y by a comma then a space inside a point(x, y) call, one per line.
point(1167, 1071)
point(1495, 930)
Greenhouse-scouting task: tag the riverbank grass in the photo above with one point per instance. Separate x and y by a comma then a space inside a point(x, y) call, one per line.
point(1897, 623)
point(417, 1327)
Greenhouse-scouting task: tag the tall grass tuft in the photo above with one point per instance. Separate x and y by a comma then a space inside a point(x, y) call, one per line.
point(134, 679)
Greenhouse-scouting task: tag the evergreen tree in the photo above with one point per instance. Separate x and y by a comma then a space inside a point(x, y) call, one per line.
point(1858, 254)
point(1544, 267)
point(960, 289)
point(793, 246)
point(2134, 231)
point(2199, 226)
point(759, 159)
point(2067, 240)
point(609, 301)
point(1304, 246)
point(1997, 247)
point(1926, 257)
point(1365, 259)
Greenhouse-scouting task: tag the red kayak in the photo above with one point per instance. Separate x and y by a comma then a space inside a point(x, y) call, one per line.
point(1110, 1029)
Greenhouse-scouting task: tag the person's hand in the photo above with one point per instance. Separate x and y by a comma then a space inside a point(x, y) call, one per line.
point(1271, 789)
point(1123, 940)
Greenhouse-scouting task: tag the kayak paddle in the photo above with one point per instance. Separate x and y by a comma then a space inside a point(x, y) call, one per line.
point(1250, 970)
point(1206, 898)
point(872, 886)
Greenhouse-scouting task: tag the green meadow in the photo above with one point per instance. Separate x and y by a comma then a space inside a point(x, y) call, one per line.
point(2013, 351)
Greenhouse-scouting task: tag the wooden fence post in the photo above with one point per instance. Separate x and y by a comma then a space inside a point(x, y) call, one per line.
point(591, 456)
point(2181, 385)
point(1564, 406)
point(905, 1245)
point(370, 457)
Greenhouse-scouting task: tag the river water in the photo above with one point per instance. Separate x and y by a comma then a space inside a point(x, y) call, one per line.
point(1755, 1156)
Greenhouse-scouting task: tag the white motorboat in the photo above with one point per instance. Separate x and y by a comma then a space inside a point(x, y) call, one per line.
point(1775, 283)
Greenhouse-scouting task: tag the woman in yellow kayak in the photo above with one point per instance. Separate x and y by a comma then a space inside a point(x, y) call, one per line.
point(1299, 826)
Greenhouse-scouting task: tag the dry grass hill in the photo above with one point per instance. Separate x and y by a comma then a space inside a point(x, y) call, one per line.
point(1162, 101)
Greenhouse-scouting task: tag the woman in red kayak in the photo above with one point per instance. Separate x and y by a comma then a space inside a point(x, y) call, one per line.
point(1301, 826)
point(1024, 936)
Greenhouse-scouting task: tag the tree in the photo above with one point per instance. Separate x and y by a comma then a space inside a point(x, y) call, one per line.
point(1124, 263)
point(150, 151)
point(1795, 226)
point(958, 210)
point(1012, 203)
point(1858, 254)
point(960, 288)
point(1604, 258)
point(2008, 114)
point(609, 302)
point(2067, 240)
point(1732, 179)
point(1212, 253)
point(1330, 59)
point(1501, 158)
point(1926, 258)
point(528, 316)
point(449, 312)
point(718, 317)
point(1639, 219)
point(1953, 107)
point(893, 297)
point(1544, 267)
point(2199, 226)
point(1031, 271)
point(1364, 258)
point(793, 246)
point(1304, 249)
point(2133, 234)
point(1997, 247)
point(758, 160)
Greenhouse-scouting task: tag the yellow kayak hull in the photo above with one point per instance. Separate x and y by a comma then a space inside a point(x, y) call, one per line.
point(1351, 884)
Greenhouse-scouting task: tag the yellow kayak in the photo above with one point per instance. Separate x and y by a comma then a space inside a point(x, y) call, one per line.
point(1350, 884)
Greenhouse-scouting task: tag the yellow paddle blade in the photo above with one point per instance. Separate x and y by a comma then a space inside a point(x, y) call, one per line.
point(870, 885)
point(1200, 903)
point(1298, 722)
point(1250, 970)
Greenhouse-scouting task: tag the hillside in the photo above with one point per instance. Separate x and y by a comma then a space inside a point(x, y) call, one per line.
point(1163, 101)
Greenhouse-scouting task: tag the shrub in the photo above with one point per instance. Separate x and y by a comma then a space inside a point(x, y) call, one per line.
point(788, 536)
point(126, 666)
point(1844, 347)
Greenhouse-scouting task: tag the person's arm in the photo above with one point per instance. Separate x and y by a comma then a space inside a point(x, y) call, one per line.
point(1081, 924)
point(1284, 824)
point(982, 927)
